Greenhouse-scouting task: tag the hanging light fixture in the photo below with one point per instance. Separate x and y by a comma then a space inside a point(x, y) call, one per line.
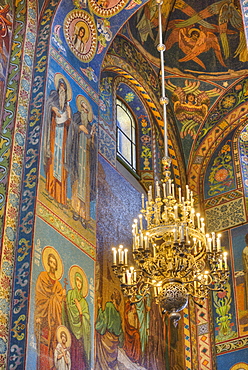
point(173, 257)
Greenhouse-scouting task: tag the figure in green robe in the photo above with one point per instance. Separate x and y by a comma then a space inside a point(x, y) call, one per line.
point(76, 318)
point(109, 333)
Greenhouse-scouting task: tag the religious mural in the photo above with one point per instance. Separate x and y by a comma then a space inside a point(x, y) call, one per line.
point(130, 335)
point(68, 174)
point(61, 325)
point(202, 39)
point(197, 33)
point(240, 248)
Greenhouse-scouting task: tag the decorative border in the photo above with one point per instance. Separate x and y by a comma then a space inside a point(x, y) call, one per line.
point(226, 215)
point(19, 67)
point(102, 11)
point(50, 218)
point(204, 337)
point(223, 198)
point(18, 327)
point(231, 345)
point(9, 108)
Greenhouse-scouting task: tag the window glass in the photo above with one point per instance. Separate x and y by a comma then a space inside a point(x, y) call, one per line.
point(126, 134)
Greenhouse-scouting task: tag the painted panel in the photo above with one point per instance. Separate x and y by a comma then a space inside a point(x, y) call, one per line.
point(233, 360)
point(239, 246)
point(68, 158)
point(61, 301)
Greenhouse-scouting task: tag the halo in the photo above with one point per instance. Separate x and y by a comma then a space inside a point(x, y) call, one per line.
point(58, 333)
point(57, 77)
point(240, 366)
point(72, 272)
point(81, 98)
point(192, 30)
point(80, 24)
point(45, 253)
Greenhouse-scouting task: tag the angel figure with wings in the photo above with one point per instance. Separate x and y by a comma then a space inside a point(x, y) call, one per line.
point(190, 105)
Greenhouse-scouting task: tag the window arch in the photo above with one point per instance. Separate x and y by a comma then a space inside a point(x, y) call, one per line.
point(126, 135)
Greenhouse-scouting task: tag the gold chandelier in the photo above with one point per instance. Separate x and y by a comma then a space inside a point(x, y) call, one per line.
point(173, 257)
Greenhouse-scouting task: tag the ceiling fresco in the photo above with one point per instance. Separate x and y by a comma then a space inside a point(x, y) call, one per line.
point(205, 58)
point(201, 38)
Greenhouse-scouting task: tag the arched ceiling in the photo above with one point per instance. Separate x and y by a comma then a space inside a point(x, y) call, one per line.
point(206, 62)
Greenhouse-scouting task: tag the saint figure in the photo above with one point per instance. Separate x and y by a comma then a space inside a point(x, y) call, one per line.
point(76, 318)
point(110, 334)
point(81, 150)
point(49, 295)
point(62, 358)
point(57, 121)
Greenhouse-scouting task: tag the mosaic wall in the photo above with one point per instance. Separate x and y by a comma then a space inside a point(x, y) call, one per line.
point(56, 277)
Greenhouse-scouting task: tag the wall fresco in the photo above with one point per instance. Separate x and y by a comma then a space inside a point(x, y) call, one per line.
point(219, 177)
point(62, 299)
point(68, 158)
point(139, 334)
point(239, 246)
point(230, 362)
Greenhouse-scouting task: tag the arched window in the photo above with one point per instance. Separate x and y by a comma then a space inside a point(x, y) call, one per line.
point(126, 135)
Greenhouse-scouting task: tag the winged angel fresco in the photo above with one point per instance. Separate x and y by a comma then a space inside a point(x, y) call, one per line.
point(190, 105)
point(196, 35)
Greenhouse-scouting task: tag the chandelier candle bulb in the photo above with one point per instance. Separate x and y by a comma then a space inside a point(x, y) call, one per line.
point(141, 241)
point(114, 256)
point(141, 222)
point(187, 192)
point(157, 189)
point(121, 255)
point(225, 260)
point(125, 256)
point(180, 195)
point(218, 243)
point(169, 185)
point(176, 211)
point(143, 201)
point(134, 276)
point(164, 189)
point(150, 194)
point(136, 225)
point(134, 243)
point(173, 190)
point(210, 245)
point(129, 277)
point(146, 242)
